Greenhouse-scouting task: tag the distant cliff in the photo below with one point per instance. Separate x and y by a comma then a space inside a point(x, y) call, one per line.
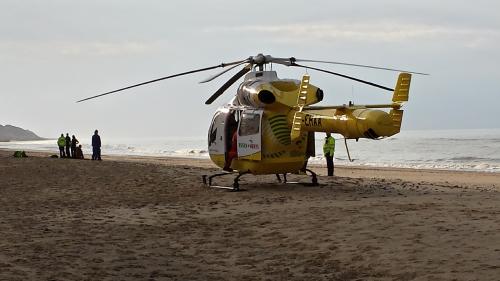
point(12, 133)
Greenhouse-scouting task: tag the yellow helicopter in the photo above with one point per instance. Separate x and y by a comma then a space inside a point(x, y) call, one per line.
point(268, 126)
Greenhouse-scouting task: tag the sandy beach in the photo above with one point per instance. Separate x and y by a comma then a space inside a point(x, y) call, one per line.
point(145, 218)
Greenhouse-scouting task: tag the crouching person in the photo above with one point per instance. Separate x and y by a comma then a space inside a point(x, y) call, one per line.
point(79, 152)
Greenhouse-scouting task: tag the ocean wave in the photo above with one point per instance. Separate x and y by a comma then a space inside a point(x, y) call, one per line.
point(189, 151)
point(465, 139)
point(482, 167)
point(472, 158)
point(440, 165)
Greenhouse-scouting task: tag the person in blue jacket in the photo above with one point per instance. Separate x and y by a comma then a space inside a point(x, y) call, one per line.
point(96, 146)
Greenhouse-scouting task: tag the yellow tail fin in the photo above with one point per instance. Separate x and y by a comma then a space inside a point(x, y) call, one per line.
point(401, 94)
point(402, 90)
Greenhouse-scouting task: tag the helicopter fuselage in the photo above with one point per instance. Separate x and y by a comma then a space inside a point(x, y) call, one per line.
point(253, 132)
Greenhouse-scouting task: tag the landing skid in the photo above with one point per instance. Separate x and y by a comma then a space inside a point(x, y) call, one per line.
point(236, 184)
point(207, 180)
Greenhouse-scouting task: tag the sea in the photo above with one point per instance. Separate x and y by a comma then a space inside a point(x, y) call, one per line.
point(460, 150)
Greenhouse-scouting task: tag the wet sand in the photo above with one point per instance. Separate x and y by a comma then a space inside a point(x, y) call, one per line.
point(144, 218)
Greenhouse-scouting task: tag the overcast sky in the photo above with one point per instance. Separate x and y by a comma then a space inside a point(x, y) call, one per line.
point(53, 53)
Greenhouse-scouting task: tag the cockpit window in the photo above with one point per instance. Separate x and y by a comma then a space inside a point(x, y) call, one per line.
point(212, 132)
point(250, 123)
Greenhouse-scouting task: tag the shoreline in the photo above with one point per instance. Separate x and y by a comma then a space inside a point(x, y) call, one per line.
point(353, 166)
point(490, 180)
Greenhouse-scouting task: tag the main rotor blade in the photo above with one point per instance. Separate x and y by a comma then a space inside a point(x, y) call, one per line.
point(229, 82)
point(345, 76)
point(357, 65)
point(166, 77)
point(222, 72)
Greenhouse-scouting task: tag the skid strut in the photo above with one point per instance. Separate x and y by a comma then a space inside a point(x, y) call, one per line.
point(314, 178)
point(279, 178)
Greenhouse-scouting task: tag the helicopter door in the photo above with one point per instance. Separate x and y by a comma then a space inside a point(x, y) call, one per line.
point(216, 134)
point(249, 135)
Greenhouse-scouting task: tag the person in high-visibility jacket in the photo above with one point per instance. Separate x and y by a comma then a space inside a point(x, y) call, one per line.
point(329, 151)
point(61, 142)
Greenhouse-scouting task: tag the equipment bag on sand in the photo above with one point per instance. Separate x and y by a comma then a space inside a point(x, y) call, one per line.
point(20, 154)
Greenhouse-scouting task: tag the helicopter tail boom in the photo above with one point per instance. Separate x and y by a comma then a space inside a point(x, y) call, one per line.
point(352, 123)
point(357, 121)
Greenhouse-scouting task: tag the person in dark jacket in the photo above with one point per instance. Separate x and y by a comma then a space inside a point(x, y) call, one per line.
point(74, 142)
point(68, 146)
point(96, 146)
point(79, 152)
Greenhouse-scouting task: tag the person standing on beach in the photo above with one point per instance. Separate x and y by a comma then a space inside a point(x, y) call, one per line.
point(68, 145)
point(61, 142)
point(74, 142)
point(96, 146)
point(329, 151)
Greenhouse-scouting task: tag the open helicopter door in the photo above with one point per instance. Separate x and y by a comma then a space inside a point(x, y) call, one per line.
point(224, 124)
point(249, 134)
point(217, 133)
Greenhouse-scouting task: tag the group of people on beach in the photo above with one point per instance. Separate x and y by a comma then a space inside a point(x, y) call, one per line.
point(68, 147)
point(72, 151)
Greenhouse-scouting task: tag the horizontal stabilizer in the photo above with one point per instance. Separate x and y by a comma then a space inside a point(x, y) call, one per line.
point(361, 106)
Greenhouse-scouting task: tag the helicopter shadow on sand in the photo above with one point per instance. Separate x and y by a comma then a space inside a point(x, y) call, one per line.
point(329, 188)
point(336, 185)
point(267, 182)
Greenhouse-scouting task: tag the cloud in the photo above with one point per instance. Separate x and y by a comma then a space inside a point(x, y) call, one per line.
point(105, 48)
point(65, 48)
point(370, 31)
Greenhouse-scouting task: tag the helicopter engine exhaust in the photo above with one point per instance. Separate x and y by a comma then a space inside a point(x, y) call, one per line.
point(266, 97)
point(319, 95)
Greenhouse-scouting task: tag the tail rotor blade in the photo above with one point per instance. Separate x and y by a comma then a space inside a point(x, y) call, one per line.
point(346, 76)
point(229, 82)
point(166, 77)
